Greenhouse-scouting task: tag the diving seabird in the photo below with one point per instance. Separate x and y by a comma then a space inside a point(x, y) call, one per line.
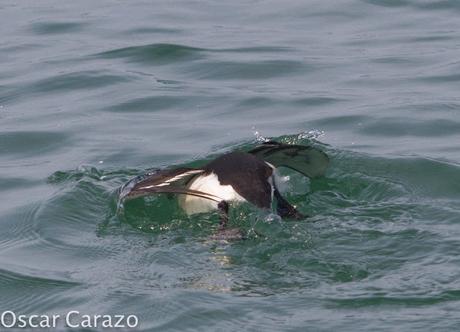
point(232, 177)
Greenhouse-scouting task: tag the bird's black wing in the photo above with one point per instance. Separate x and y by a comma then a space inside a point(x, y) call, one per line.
point(163, 181)
point(307, 160)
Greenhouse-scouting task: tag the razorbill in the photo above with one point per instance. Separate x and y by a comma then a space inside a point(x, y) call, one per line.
point(232, 177)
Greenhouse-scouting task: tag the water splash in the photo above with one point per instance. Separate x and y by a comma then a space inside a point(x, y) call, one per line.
point(258, 135)
point(311, 134)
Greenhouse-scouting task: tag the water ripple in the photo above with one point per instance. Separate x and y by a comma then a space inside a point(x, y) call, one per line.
point(75, 81)
point(410, 127)
point(227, 70)
point(156, 54)
point(31, 142)
point(50, 28)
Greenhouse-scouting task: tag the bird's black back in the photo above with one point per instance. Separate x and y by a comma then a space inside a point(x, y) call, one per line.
point(247, 174)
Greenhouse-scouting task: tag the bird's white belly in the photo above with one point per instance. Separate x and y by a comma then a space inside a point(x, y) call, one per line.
point(208, 184)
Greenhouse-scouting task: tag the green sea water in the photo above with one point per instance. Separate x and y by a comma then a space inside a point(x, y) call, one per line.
point(93, 93)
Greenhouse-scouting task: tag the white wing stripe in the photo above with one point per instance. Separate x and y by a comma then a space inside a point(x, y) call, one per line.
point(175, 178)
